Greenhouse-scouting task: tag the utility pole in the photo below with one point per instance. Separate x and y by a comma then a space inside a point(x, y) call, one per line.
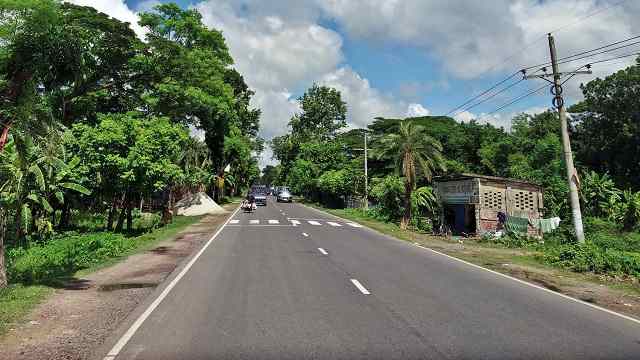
point(366, 175)
point(558, 102)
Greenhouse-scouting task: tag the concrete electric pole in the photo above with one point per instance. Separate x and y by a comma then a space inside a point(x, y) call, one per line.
point(558, 103)
point(366, 175)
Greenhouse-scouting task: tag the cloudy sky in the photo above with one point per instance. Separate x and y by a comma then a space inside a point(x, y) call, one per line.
point(399, 58)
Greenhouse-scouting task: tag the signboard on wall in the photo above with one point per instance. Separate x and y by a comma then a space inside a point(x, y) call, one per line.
point(458, 192)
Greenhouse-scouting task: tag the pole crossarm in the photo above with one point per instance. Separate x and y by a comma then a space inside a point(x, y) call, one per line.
point(561, 74)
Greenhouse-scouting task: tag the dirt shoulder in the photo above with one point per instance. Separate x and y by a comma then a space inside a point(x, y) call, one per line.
point(77, 319)
point(617, 294)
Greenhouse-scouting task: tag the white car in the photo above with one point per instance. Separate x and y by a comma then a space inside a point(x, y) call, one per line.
point(284, 196)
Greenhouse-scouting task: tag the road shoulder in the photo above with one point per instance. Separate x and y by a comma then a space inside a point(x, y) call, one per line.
point(618, 295)
point(76, 321)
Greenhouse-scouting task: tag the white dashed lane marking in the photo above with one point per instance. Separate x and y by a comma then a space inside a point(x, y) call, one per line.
point(254, 221)
point(323, 251)
point(314, 223)
point(234, 221)
point(360, 287)
point(333, 223)
point(354, 225)
point(295, 222)
point(274, 222)
point(305, 234)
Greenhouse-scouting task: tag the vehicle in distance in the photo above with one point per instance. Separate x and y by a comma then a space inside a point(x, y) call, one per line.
point(259, 193)
point(284, 196)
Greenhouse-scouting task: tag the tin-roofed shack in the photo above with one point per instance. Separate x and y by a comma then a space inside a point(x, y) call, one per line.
point(472, 202)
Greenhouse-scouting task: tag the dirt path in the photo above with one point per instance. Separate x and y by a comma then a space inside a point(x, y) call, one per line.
point(76, 319)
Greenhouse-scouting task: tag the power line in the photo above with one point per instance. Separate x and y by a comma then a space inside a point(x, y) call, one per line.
point(519, 98)
point(490, 97)
point(591, 53)
point(526, 46)
point(600, 61)
point(483, 93)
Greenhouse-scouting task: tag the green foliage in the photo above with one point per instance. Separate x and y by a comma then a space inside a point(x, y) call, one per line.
point(388, 193)
point(593, 258)
point(600, 196)
point(414, 153)
point(335, 182)
point(611, 104)
point(323, 114)
point(64, 255)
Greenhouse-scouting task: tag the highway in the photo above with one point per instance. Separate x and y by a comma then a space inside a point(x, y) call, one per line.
point(290, 282)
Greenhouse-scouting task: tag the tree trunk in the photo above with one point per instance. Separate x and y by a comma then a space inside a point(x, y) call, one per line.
point(120, 224)
point(5, 135)
point(129, 216)
point(65, 215)
point(406, 218)
point(123, 212)
point(19, 225)
point(3, 271)
point(167, 213)
point(112, 214)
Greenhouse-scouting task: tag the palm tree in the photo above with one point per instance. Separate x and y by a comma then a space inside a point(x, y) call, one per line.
point(414, 152)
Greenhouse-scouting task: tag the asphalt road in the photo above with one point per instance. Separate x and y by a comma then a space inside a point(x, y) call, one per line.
point(308, 286)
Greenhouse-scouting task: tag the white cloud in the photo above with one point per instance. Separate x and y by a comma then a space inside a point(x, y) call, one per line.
point(415, 110)
point(364, 103)
point(116, 9)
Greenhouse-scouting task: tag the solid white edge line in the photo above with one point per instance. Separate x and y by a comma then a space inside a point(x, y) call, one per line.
point(323, 251)
point(360, 287)
point(115, 350)
point(611, 312)
point(567, 297)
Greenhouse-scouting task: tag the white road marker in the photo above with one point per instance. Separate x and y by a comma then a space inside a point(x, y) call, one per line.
point(115, 350)
point(254, 221)
point(323, 251)
point(360, 287)
point(234, 221)
point(356, 225)
point(314, 222)
point(305, 234)
point(295, 222)
point(333, 223)
point(274, 222)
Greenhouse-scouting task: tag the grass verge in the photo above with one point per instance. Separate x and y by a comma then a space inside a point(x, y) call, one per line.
point(147, 241)
point(17, 300)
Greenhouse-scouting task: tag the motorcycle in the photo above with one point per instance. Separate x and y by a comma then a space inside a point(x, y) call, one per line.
point(248, 207)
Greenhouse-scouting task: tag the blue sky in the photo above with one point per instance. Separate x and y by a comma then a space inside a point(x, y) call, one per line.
point(400, 58)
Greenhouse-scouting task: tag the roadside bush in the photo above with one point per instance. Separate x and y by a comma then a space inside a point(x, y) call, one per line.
point(388, 193)
point(589, 257)
point(146, 221)
point(64, 255)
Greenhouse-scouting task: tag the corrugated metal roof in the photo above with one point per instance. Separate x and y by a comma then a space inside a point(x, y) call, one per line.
point(466, 176)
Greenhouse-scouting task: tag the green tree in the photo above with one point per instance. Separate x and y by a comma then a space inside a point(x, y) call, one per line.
point(612, 104)
point(323, 114)
point(270, 174)
point(414, 153)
